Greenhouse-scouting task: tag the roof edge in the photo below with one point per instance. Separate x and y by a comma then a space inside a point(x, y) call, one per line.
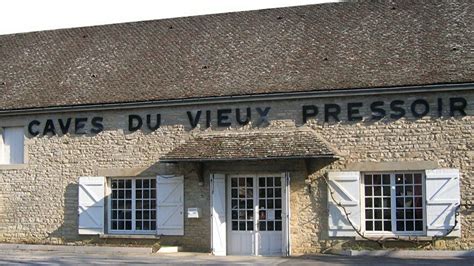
point(346, 92)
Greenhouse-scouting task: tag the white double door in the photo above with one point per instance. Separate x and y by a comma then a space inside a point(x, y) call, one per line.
point(256, 216)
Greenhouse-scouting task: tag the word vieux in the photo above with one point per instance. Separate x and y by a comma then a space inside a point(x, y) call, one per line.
point(243, 116)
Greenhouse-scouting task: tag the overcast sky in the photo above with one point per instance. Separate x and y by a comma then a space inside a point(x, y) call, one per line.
point(34, 15)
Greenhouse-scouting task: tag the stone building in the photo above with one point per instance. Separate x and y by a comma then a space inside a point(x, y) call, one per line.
point(282, 131)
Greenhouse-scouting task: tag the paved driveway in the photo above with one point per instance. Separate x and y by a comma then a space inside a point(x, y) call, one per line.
point(36, 257)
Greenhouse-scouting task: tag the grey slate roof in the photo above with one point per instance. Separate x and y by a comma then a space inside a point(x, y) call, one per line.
point(306, 48)
point(251, 145)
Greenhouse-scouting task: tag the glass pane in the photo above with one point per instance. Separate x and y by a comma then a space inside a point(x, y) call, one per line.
point(386, 190)
point(378, 225)
point(377, 191)
point(234, 193)
point(378, 214)
point(270, 226)
point(387, 214)
point(399, 202)
point(261, 193)
point(277, 182)
point(269, 181)
point(249, 192)
point(278, 203)
point(277, 215)
point(409, 190)
point(387, 226)
point(418, 190)
point(399, 190)
point(234, 204)
point(400, 226)
point(409, 214)
point(261, 204)
point(417, 178)
point(369, 226)
point(377, 179)
point(386, 179)
point(418, 213)
point(249, 204)
point(419, 226)
point(261, 181)
point(242, 192)
point(399, 179)
point(235, 226)
point(249, 226)
point(269, 192)
point(387, 202)
point(277, 226)
point(242, 226)
point(233, 182)
point(242, 184)
point(270, 204)
point(409, 202)
point(368, 191)
point(249, 215)
point(408, 179)
point(377, 202)
point(278, 192)
point(242, 204)
point(368, 203)
point(263, 226)
point(409, 226)
point(234, 215)
point(368, 179)
point(400, 214)
point(249, 182)
point(368, 214)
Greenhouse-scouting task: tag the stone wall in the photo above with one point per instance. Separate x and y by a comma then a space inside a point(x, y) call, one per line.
point(38, 202)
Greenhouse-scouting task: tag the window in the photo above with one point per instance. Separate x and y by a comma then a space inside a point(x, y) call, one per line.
point(132, 205)
point(393, 203)
point(11, 145)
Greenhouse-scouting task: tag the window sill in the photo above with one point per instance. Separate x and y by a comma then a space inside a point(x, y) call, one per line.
point(111, 236)
point(395, 238)
point(13, 166)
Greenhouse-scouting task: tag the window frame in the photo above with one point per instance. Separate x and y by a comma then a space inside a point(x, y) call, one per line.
point(9, 165)
point(133, 220)
point(393, 208)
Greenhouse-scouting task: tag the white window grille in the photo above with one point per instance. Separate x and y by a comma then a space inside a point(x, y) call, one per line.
point(393, 203)
point(132, 205)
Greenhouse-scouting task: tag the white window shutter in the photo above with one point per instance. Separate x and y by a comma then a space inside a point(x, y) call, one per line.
point(91, 205)
point(346, 191)
point(2, 147)
point(170, 205)
point(219, 247)
point(286, 245)
point(442, 200)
